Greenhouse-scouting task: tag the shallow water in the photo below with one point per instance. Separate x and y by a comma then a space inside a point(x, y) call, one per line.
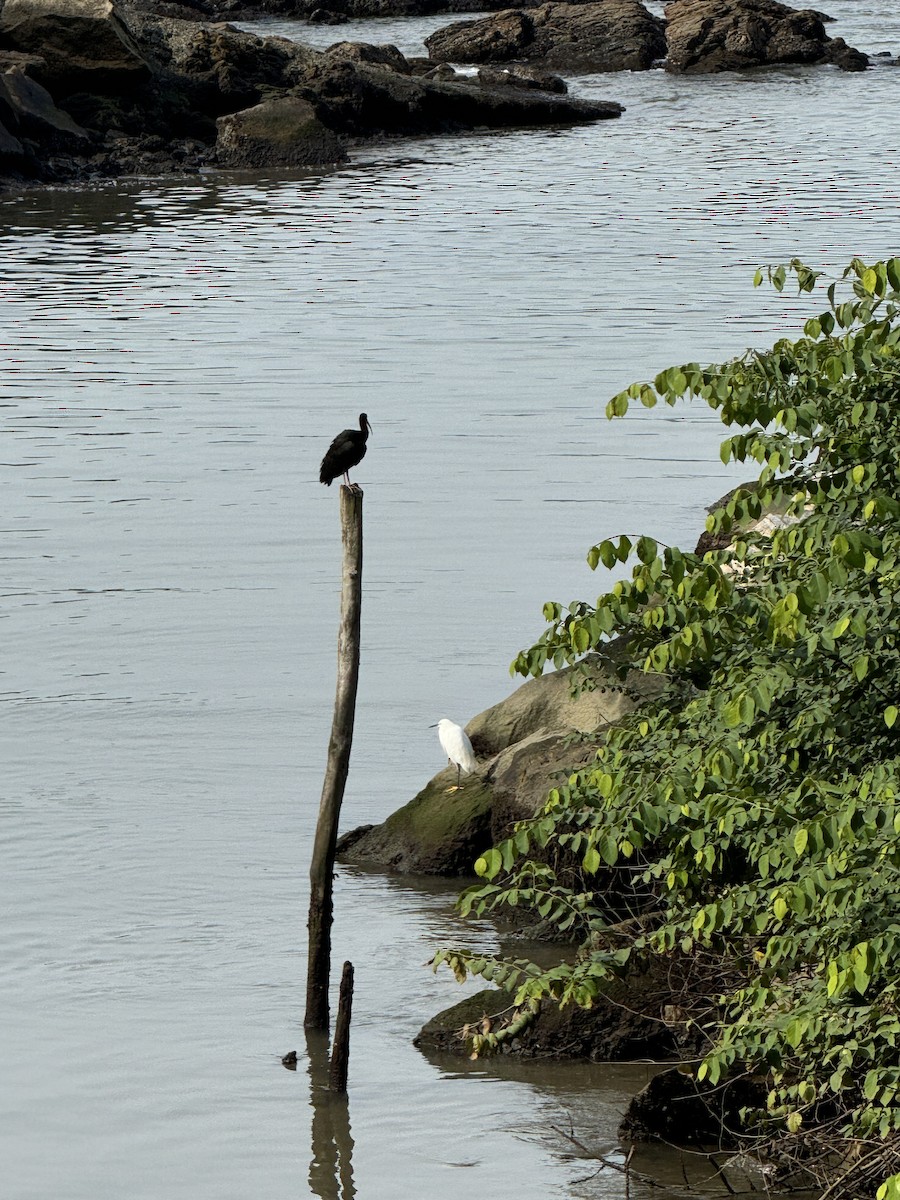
point(176, 356)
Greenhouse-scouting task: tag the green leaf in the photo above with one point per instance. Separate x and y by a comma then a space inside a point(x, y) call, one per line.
point(591, 861)
point(489, 864)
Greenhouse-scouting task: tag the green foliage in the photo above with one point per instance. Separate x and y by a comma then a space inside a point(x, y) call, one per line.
point(751, 816)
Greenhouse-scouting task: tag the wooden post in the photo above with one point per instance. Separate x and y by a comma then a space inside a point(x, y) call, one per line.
point(321, 906)
point(340, 1047)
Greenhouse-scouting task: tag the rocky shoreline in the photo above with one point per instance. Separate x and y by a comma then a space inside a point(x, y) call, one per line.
point(526, 745)
point(96, 89)
point(93, 90)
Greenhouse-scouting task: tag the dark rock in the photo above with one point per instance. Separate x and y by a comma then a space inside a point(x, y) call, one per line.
point(845, 57)
point(81, 44)
point(443, 72)
point(499, 39)
point(11, 149)
point(732, 35)
point(382, 56)
point(324, 16)
point(349, 839)
point(30, 64)
point(610, 35)
point(675, 1108)
point(29, 109)
point(217, 68)
point(420, 66)
point(360, 100)
point(522, 77)
point(283, 132)
point(624, 1024)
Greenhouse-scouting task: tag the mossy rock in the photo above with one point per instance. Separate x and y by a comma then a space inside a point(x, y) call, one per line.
point(439, 832)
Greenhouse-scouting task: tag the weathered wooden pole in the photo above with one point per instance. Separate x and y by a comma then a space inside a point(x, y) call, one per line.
point(340, 1047)
point(321, 906)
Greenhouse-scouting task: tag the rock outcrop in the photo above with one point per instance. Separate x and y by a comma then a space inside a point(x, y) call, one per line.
point(610, 35)
point(732, 35)
point(614, 35)
point(126, 91)
point(528, 744)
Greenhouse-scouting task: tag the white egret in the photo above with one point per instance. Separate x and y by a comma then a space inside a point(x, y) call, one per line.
point(457, 747)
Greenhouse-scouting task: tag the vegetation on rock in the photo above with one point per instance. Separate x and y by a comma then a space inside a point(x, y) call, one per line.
point(749, 817)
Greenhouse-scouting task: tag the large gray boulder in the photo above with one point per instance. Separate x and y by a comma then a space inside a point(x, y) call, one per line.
point(609, 35)
point(579, 699)
point(732, 35)
point(283, 132)
point(83, 45)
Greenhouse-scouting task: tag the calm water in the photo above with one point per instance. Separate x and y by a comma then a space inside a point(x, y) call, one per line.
point(176, 357)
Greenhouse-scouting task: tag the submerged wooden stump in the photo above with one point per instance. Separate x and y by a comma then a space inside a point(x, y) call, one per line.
point(340, 1048)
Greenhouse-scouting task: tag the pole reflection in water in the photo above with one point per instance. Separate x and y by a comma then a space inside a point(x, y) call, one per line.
point(331, 1165)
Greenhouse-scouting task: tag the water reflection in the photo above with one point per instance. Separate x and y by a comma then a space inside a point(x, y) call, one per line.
point(331, 1165)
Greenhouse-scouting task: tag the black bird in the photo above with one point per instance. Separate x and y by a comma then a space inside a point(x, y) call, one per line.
point(347, 449)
